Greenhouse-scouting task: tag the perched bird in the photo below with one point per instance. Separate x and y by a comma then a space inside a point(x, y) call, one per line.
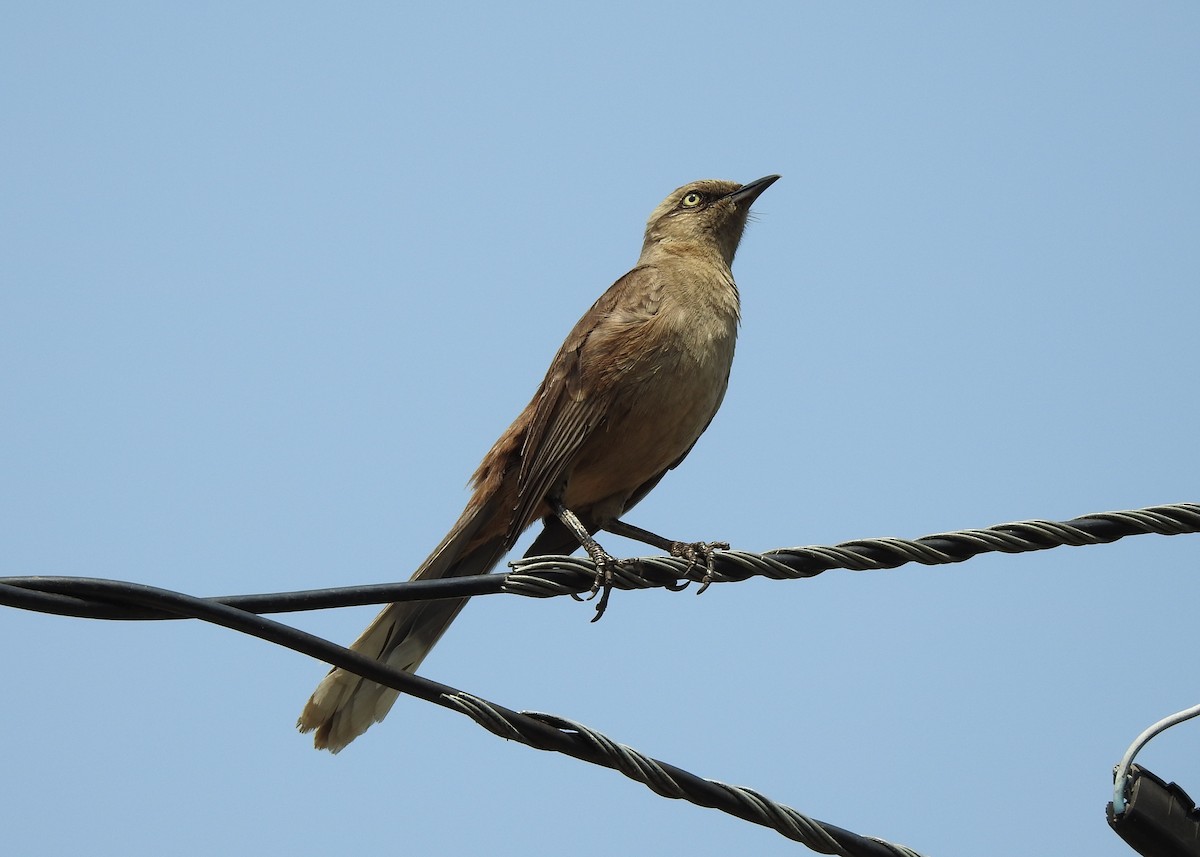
point(637, 381)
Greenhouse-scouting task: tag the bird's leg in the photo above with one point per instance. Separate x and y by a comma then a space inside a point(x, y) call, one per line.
point(693, 552)
point(603, 560)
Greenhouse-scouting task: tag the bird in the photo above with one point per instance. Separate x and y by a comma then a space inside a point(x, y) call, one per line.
point(636, 382)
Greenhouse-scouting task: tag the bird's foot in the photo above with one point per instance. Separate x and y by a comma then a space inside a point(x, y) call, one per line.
point(606, 564)
point(697, 552)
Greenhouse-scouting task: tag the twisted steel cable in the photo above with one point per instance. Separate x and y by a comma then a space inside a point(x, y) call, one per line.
point(545, 577)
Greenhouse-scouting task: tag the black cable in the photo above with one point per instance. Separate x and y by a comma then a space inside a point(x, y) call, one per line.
point(542, 732)
point(550, 576)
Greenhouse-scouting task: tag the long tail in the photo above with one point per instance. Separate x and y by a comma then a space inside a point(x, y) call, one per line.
point(345, 705)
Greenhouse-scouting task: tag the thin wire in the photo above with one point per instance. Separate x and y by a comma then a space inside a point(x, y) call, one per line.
point(545, 577)
point(61, 596)
point(1121, 776)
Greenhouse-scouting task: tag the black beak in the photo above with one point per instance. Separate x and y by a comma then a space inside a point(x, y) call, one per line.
point(747, 193)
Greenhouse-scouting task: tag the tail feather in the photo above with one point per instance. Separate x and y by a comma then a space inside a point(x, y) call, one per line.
point(345, 705)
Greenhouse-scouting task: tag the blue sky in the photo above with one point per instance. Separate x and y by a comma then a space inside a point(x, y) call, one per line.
point(276, 276)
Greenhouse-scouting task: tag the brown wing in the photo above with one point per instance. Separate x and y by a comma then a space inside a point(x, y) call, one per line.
point(572, 400)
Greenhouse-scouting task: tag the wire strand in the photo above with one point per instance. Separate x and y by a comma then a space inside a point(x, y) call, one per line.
point(546, 577)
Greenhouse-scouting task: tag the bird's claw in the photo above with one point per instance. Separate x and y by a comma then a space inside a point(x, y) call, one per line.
point(695, 553)
point(603, 584)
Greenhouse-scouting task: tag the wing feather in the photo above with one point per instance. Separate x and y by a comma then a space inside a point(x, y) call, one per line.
point(571, 402)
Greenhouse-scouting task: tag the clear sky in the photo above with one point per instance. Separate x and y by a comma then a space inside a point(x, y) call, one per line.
point(275, 276)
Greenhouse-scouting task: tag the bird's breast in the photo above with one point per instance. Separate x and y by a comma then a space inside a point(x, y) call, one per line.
point(667, 393)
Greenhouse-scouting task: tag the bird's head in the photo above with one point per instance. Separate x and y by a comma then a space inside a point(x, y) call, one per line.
point(706, 216)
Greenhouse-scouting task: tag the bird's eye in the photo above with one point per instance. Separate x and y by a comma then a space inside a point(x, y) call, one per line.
point(692, 199)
